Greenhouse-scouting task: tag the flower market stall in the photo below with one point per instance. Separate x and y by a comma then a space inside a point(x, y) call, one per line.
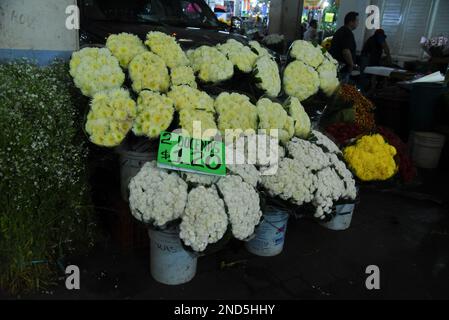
point(279, 161)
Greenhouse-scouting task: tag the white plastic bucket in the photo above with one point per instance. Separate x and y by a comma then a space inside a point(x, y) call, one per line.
point(170, 263)
point(270, 234)
point(342, 219)
point(130, 164)
point(426, 149)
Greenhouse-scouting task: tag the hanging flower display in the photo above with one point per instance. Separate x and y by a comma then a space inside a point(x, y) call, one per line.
point(148, 71)
point(125, 47)
point(167, 49)
point(154, 114)
point(95, 70)
point(110, 118)
point(210, 64)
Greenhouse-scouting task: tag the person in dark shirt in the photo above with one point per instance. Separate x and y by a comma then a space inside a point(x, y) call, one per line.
point(374, 47)
point(343, 47)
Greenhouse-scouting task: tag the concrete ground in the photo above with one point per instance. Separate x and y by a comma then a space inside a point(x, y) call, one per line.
point(405, 234)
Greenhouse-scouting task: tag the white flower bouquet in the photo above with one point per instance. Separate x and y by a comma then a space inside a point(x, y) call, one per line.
point(154, 114)
point(183, 76)
point(95, 70)
point(125, 47)
point(306, 52)
point(240, 55)
point(110, 117)
point(186, 97)
point(257, 47)
point(300, 80)
point(273, 116)
point(266, 73)
point(148, 71)
point(210, 65)
point(167, 48)
point(235, 112)
point(156, 196)
point(300, 117)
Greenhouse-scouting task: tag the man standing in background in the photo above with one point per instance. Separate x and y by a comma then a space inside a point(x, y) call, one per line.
point(343, 47)
point(312, 33)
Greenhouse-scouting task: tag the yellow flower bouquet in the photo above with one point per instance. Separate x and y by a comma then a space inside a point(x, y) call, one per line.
point(371, 158)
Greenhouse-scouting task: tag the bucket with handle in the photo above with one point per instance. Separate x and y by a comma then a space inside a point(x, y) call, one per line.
point(270, 234)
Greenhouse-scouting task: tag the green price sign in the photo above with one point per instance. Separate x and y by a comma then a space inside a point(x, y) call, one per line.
point(182, 153)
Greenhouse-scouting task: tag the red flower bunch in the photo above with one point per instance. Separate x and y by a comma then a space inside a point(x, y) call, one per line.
point(343, 132)
point(407, 170)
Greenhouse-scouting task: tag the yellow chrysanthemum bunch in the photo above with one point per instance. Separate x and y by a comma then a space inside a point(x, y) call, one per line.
point(125, 47)
point(94, 70)
point(110, 117)
point(185, 97)
point(235, 112)
point(183, 75)
point(211, 65)
point(300, 81)
point(371, 158)
point(241, 56)
point(167, 49)
point(301, 118)
point(273, 116)
point(148, 71)
point(154, 114)
point(306, 52)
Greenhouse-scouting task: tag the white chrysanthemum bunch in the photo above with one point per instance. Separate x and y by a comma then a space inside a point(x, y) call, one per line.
point(110, 117)
point(306, 52)
point(167, 48)
point(156, 196)
point(200, 179)
point(148, 71)
point(266, 72)
point(183, 76)
point(95, 70)
point(125, 47)
point(300, 116)
point(186, 97)
point(261, 51)
point(236, 112)
point(243, 205)
point(328, 77)
point(273, 38)
point(241, 56)
point(205, 220)
point(273, 116)
point(154, 114)
point(300, 80)
point(210, 64)
point(311, 175)
point(323, 141)
point(293, 182)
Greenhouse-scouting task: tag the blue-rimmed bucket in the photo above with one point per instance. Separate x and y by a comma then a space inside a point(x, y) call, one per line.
point(270, 234)
point(342, 219)
point(170, 263)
